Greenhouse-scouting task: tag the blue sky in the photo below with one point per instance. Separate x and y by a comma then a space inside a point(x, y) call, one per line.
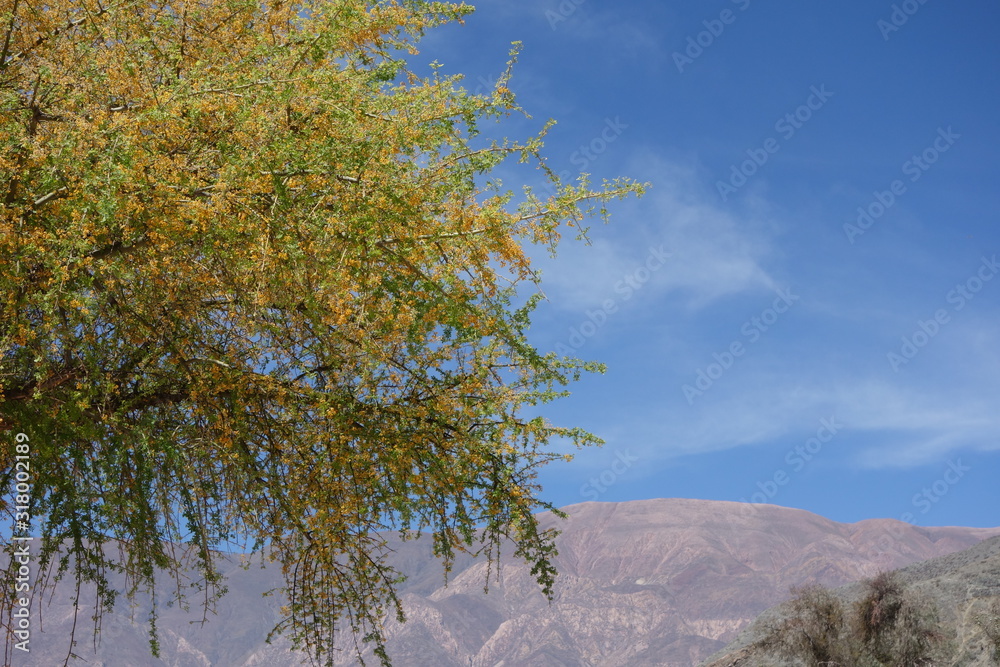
point(804, 308)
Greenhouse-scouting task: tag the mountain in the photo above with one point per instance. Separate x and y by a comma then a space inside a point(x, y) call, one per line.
point(963, 587)
point(654, 582)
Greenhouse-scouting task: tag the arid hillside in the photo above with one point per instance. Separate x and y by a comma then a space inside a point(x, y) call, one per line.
point(655, 582)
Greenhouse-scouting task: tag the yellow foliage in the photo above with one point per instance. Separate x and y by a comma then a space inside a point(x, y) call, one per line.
point(254, 295)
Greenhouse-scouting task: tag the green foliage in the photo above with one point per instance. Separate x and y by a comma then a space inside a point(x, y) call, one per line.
point(252, 294)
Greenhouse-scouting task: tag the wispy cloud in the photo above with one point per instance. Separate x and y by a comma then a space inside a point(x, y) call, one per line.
point(886, 422)
point(714, 252)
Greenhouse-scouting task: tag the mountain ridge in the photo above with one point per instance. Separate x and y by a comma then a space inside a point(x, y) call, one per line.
point(650, 582)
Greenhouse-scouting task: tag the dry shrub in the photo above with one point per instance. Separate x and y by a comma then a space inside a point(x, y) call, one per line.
point(887, 627)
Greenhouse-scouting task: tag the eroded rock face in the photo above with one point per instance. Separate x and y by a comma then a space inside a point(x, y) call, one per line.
point(656, 582)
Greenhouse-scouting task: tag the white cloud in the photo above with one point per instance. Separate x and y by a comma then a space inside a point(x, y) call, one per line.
point(714, 252)
point(883, 422)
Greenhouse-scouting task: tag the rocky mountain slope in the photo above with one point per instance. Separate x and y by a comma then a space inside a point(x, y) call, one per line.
point(964, 588)
point(656, 582)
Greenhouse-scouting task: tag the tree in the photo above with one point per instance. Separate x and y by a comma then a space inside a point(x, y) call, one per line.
point(258, 289)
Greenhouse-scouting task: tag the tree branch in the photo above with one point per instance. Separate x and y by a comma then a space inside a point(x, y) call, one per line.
point(55, 194)
point(118, 248)
point(435, 237)
point(10, 31)
point(73, 23)
point(230, 89)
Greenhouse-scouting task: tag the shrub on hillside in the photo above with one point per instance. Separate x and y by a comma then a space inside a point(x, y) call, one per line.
point(887, 627)
point(892, 626)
